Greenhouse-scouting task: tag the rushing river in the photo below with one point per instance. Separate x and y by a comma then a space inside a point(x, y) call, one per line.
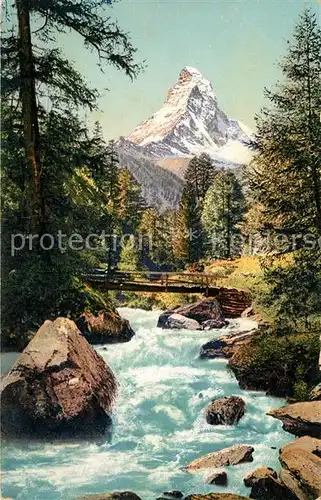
point(159, 424)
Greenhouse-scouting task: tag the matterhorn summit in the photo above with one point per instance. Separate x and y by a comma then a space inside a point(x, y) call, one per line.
point(190, 123)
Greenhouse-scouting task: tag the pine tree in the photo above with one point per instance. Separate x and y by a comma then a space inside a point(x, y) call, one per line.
point(199, 176)
point(222, 213)
point(130, 255)
point(180, 240)
point(285, 175)
point(189, 242)
point(103, 163)
point(189, 246)
point(156, 233)
point(87, 19)
point(131, 202)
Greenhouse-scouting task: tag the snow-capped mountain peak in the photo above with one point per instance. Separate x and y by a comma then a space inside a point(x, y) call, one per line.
point(190, 122)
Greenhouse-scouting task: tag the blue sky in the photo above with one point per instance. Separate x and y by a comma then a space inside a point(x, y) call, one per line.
point(234, 43)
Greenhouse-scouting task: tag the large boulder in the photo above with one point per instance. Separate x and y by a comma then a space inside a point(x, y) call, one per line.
point(177, 322)
point(59, 385)
point(257, 474)
point(228, 456)
point(300, 418)
point(305, 443)
point(266, 485)
point(301, 467)
point(226, 345)
point(225, 411)
point(201, 311)
point(105, 328)
point(269, 488)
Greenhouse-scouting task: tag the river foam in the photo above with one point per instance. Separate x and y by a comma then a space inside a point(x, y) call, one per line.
point(159, 424)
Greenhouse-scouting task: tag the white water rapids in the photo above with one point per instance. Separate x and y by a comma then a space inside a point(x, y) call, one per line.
point(159, 424)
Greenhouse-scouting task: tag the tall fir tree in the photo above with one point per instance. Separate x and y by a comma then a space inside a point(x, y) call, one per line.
point(47, 66)
point(131, 202)
point(130, 255)
point(285, 175)
point(199, 176)
point(103, 165)
point(156, 234)
point(189, 244)
point(222, 213)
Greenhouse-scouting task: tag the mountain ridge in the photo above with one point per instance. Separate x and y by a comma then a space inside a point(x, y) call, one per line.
point(191, 122)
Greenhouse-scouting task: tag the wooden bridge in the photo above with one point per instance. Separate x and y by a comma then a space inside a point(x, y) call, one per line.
point(154, 281)
point(233, 302)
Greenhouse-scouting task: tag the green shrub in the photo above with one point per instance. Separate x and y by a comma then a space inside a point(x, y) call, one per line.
point(288, 363)
point(301, 391)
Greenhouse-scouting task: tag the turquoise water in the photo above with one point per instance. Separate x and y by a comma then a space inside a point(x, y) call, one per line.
point(159, 425)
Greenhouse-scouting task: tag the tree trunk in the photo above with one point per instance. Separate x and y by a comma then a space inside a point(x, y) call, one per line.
point(315, 164)
point(30, 118)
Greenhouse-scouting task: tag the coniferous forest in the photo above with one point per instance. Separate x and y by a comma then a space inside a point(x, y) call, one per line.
point(75, 203)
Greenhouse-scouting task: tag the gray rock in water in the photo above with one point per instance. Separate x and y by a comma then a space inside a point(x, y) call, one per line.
point(228, 456)
point(226, 345)
point(59, 385)
point(105, 328)
point(214, 349)
point(225, 411)
point(219, 478)
point(257, 474)
point(163, 318)
point(214, 324)
point(203, 310)
point(177, 321)
point(173, 494)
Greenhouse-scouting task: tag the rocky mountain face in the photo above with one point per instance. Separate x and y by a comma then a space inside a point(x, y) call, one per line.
point(160, 187)
point(189, 123)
